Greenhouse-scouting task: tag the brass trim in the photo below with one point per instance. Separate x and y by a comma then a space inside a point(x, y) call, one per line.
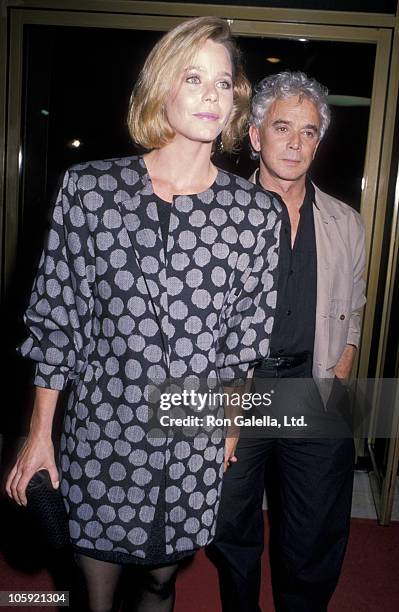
point(239, 27)
point(375, 487)
point(376, 175)
point(389, 481)
point(12, 148)
point(394, 240)
point(388, 485)
point(97, 20)
point(310, 31)
point(253, 13)
point(3, 111)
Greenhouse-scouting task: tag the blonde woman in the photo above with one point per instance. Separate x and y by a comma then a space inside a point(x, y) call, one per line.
point(156, 267)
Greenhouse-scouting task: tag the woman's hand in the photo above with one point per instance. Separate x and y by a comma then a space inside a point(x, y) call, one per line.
point(36, 454)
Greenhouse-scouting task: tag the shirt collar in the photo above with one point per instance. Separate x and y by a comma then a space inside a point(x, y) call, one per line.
point(310, 196)
point(273, 193)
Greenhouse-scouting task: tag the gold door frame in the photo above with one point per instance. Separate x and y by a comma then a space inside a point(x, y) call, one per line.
point(382, 30)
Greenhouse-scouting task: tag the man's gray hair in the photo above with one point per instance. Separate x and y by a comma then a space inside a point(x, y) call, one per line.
point(284, 85)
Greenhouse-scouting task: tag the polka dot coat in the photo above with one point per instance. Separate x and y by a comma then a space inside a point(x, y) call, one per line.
point(112, 310)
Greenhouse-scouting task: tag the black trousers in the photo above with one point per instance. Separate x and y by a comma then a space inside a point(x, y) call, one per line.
point(309, 485)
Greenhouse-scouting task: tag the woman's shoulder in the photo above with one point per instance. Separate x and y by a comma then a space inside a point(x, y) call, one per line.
point(115, 166)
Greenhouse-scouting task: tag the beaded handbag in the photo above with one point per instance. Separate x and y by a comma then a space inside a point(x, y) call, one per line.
point(47, 509)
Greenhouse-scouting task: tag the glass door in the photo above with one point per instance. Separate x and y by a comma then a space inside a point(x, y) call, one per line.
point(69, 76)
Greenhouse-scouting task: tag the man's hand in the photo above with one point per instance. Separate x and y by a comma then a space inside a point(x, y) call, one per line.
point(230, 445)
point(344, 366)
point(231, 410)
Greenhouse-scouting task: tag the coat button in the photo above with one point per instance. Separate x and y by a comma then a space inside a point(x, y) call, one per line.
point(342, 317)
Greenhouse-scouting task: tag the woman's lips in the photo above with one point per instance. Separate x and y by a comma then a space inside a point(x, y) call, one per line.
point(207, 116)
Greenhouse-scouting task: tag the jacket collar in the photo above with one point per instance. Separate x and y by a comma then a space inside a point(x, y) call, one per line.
point(144, 184)
point(327, 205)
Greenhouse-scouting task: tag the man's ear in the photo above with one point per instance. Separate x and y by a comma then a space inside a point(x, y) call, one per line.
point(253, 133)
point(314, 152)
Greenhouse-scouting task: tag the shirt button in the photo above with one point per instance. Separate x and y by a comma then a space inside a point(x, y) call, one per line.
point(291, 272)
point(288, 312)
point(342, 317)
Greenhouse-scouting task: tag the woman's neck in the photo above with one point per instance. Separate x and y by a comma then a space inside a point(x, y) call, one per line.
point(180, 169)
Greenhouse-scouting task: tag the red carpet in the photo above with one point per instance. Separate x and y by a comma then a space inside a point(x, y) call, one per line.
point(369, 581)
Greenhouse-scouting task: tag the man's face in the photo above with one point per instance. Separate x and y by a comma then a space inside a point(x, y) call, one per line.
point(288, 138)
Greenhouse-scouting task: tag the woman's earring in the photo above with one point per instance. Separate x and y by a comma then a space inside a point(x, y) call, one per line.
point(220, 145)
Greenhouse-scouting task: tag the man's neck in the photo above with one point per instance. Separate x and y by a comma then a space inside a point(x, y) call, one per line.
point(291, 192)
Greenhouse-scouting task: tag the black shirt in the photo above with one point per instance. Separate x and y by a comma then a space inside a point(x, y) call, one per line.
point(164, 208)
point(295, 318)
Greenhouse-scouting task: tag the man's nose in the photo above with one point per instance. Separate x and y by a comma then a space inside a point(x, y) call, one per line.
point(295, 141)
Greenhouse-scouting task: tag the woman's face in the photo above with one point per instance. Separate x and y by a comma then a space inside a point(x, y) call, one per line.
point(199, 106)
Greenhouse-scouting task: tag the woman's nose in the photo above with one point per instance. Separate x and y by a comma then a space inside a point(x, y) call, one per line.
point(211, 94)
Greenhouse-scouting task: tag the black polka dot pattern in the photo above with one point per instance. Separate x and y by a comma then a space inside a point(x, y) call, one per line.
point(110, 312)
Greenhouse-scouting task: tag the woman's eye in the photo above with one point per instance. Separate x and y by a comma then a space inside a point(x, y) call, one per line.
point(193, 79)
point(225, 84)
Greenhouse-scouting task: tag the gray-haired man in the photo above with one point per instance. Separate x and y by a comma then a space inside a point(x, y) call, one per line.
point(314, 338)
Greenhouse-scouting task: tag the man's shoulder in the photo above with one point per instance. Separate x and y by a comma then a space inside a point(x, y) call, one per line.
point(336, 207)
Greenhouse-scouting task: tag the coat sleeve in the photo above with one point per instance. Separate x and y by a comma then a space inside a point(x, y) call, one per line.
point(359, 285)
point(248, 318)
point(59, 313)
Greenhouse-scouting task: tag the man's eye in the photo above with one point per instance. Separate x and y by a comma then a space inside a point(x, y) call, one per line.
point(309, 133)
point(281, 128)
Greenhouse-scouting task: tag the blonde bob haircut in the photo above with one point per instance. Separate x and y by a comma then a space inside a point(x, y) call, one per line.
point(175, 51)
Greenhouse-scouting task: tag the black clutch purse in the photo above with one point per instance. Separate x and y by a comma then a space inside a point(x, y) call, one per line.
point(47, 509)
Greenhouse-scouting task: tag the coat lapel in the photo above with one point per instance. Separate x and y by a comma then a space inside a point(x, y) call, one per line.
point(140, 217)
point(322, 223)
point(325, 218)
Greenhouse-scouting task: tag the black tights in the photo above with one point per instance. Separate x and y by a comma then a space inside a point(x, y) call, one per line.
point(157, 586)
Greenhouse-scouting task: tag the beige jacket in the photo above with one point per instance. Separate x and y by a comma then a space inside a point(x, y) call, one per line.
point(341, 254)
point(341, 258)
